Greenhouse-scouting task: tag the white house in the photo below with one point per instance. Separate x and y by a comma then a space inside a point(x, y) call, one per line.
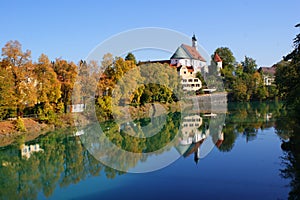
point(268, 74)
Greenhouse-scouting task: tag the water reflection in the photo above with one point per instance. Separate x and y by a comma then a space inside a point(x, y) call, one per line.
point(288, 129)
point(59, 159)
point(28, 150)
point(194, 133)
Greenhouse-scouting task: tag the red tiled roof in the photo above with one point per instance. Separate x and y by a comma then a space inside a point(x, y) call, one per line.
point(219, 142)
point(193, 148)
point(193, 52)
point(217, 58)
point(190, 68)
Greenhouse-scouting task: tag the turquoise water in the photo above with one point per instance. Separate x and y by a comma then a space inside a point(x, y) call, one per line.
point(246, 162)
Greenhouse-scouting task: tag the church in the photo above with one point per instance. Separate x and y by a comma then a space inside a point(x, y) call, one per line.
point(188, 62)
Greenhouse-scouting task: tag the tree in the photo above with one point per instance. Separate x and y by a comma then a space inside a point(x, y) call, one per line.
point(228, 61)
point(66, 74)
point(131, 57)
point(249, 65)
point(201, 78)
point(18, 63)
point(7, 92)
point(48, 87)
point(12, 52)
point(240, 90)
point(288, 76)
point(227, 57)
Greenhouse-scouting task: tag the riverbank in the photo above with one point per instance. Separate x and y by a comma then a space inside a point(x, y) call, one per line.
point(9, 132)
point(203, 103)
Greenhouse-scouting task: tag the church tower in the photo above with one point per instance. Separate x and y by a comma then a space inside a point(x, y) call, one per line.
point(194, 42)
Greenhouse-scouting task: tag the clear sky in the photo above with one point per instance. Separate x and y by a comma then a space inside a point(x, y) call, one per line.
point(263, 30)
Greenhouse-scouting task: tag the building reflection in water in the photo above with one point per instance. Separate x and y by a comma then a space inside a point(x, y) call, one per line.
point(195, 130)
point(28, 150)
point(193, 133)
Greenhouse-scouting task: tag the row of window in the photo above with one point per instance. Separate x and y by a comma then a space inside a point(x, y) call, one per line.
point(192, 120)
point(190, 85)
point(191, 125)
point(185, 72)
point(190, 80)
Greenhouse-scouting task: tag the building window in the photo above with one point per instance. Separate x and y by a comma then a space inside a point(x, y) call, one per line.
point(190, 80)
point(191, 72)
point(184, 72)
point(195, 80)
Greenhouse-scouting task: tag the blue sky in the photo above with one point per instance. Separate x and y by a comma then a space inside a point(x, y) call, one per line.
point(263, 30)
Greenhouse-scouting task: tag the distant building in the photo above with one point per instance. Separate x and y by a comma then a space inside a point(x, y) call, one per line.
point(76, 108)
point(218, 61)
point(268, 74)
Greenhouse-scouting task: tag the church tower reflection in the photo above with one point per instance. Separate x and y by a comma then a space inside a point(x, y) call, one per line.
point(194, 133)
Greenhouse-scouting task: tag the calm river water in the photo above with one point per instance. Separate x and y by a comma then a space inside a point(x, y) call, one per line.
point(248, 153)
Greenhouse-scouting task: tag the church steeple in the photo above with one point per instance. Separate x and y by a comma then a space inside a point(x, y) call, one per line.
point(194, 42)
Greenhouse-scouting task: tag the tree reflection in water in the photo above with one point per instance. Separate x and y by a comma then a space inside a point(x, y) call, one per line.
point(62, 160)
point(289, 129)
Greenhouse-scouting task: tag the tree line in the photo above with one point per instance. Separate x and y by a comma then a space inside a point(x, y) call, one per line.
point(242, 80)
point(46, 88)
point(43, 87)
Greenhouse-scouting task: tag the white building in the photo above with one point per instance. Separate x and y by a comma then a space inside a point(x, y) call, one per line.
point(268, 74)
point(188, 62)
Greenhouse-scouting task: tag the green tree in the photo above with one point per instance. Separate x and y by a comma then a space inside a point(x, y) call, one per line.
point(228, 61)
point(227, 57)
point(288, 76)
point(240, 90)
point(249, 65)
point(131, 57)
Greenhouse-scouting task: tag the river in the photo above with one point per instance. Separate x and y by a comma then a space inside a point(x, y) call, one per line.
point(249, 152)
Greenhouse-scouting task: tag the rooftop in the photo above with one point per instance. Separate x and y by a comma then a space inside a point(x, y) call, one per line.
point(187, 52)
point(268, 70)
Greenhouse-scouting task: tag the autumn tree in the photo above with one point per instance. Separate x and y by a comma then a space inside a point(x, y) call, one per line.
point(106, 75)
point(66, 74)
point(48, 87)
point(7, 92)
point(18, 63)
